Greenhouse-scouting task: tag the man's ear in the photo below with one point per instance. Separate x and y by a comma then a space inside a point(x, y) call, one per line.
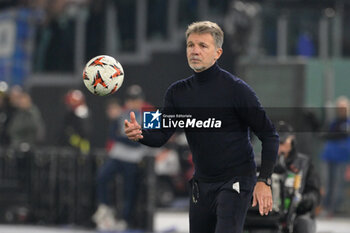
point(219, 51)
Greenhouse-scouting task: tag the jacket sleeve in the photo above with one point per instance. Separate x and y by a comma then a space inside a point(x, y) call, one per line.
point(254, 116)
point(158, 137)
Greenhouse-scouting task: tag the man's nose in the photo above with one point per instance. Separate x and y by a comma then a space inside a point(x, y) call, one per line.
point(195, 50)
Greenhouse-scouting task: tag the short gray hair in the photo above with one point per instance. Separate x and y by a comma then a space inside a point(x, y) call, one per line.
point(202, 27)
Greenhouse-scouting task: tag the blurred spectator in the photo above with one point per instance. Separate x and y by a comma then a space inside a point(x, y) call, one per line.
point(299, 166)
point(305, 45)
point(124, 158)
point(336, 155)
point(26, 127)
point(9, 105)
point(14, 95)
point(76, 123)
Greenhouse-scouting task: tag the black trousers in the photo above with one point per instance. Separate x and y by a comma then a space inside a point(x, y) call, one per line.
point(220, 207)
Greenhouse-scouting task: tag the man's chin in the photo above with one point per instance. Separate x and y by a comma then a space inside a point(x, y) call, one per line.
point(197, 68)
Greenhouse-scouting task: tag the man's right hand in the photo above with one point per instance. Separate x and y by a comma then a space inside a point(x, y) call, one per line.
point(132, 129)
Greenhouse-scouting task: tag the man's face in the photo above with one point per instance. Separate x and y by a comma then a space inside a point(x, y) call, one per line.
point(134, 104)
point(285, 147)
point(201, 51)
point(342, 109)
point(113, 111)
point(24, 101)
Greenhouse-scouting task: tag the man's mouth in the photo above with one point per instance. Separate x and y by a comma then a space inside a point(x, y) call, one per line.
point(194, 60)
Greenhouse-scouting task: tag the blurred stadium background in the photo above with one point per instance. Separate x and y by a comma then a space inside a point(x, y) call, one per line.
point(294, 53)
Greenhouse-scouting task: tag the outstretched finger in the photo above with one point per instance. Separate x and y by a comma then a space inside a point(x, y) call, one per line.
point(132, 117)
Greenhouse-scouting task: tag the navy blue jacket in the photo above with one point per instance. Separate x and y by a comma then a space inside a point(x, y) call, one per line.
point(220, 154)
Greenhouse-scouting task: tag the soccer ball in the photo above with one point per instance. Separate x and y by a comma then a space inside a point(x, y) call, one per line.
point(103, 75)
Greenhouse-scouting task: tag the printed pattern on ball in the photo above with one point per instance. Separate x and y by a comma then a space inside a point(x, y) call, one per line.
point(103, 75)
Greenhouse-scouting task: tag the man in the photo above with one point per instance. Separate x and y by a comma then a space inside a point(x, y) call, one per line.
point(124, 159)
point(225, 171)
point(299, 165)
point(76, 129)
point(336, 156)
point(26, 128)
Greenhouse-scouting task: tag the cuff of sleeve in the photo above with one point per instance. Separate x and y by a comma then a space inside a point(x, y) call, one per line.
point(266, 169)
